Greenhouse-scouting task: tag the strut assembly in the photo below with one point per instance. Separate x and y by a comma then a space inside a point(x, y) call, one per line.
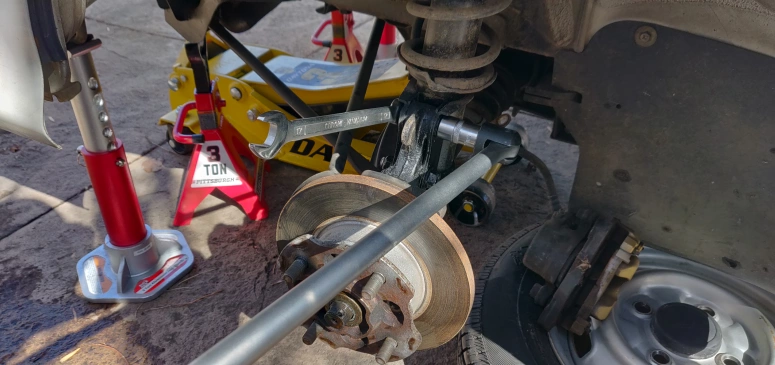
point(447, 61)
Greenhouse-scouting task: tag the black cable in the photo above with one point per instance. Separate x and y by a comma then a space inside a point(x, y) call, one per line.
point(547, 175)
point(359, 162)
point(343, 142)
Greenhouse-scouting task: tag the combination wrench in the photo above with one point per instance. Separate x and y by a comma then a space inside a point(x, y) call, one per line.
point(282, 130)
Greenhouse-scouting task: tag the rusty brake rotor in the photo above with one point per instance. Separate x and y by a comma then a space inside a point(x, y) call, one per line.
point(334, 205)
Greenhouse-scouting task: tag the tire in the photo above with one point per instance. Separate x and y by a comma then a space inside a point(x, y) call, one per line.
point(179, 148)
point(502, 328)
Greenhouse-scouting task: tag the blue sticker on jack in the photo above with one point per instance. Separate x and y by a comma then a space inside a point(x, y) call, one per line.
point(329, 75)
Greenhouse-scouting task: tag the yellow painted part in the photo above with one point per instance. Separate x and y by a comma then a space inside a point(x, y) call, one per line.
point(604, 307)
point(263, 54)
point(212, 38)
point(627, 271)
point(228, 70)
point(490, 175)
point(192, 120)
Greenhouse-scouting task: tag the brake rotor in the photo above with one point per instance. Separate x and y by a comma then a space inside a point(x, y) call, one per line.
point(445, 268)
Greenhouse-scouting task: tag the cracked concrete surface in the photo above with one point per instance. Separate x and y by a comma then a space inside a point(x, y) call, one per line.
point(49, 217)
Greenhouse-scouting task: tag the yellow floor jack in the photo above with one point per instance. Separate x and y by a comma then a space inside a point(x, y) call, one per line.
point(325, 86)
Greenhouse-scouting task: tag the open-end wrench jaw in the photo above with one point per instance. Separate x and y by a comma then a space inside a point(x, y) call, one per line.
point(275, 138)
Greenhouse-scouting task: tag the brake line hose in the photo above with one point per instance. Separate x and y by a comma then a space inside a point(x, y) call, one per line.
point(547, 175)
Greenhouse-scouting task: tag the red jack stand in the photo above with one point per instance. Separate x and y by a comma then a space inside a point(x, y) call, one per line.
point(387, 43)
point(344, 46)
point(215, 163)
point(135, 263)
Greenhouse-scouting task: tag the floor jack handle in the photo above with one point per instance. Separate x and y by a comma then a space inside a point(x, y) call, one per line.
point(317, 41)
point(177, 131)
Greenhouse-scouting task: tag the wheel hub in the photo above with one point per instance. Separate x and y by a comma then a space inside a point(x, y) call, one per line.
point(675, 311)
point(417, 296)
point(686, 330)
point(352, 229)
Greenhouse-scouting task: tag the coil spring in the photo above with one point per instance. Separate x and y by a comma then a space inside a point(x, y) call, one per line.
point(459, 76)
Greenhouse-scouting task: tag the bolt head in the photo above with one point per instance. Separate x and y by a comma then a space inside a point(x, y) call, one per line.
point(107, 132)
point(111, 146)
point(252, 114)
point(236, 94)
point(98, 101)
point(645, 36)
point(104, 117)
point(174, 84)
point(120, 163)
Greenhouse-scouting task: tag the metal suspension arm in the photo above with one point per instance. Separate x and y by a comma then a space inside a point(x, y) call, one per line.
point(249, 342)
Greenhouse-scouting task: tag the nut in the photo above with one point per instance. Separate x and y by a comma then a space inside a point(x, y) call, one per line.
point(236, 94)
point(252, 115)
point(645, 36)
point(174, 84)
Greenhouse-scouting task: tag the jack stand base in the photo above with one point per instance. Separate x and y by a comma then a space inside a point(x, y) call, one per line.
point(139, 273)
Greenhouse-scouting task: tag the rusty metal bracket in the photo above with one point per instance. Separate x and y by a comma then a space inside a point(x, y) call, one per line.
point(584, 259)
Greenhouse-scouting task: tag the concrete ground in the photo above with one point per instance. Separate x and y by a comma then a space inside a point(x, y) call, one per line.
point(49, 217)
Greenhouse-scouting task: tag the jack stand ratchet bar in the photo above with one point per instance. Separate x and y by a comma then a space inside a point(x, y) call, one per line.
point(248, 343)
point(359, 162)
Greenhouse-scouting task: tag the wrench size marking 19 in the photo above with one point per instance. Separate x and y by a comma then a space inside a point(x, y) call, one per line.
point(329, 126)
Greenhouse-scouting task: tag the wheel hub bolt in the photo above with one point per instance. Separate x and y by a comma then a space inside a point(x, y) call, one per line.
point(372, 287)
point(291, 276)
point(386, 351)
